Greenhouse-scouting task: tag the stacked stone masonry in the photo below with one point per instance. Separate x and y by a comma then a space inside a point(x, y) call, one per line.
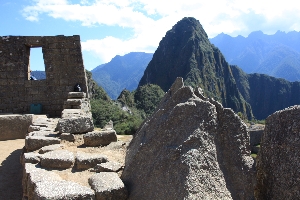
point(48, 158)
point(63, 66)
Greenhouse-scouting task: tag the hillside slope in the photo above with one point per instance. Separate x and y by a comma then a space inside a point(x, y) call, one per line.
point(121, 72)
point(266, 94)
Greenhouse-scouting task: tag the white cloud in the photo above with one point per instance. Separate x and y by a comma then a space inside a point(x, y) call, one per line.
point(150, 20)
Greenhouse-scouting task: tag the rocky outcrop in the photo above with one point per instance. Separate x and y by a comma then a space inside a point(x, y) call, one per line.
point(190, 148)
point(186, 52)
point(278, 160)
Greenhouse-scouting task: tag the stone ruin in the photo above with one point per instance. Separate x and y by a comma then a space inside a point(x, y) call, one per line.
point(190, 148)
point(59, 149)
point(63, 66)
point(65, 146)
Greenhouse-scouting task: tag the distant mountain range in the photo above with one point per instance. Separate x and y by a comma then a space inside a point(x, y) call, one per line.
point(122, 72)
point(276, 55)
point(39, 75)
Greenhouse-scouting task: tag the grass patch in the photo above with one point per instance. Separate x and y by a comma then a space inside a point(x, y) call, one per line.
point(253, 155)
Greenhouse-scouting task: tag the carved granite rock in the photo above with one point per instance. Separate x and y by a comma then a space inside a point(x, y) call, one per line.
point(89, 160)
point(33, 143)
point(190, 148)
point(78, 124)
point(100, 138)
point(108, 185)
point(61, 159)
point(278, 161)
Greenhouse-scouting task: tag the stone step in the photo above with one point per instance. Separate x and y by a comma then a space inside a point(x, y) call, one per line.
point(76, 95)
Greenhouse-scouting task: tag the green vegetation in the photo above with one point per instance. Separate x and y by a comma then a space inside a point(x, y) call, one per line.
point(128, 111)
point(253, 155)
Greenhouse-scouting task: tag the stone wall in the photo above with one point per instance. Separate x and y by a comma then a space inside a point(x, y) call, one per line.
point(63, 66)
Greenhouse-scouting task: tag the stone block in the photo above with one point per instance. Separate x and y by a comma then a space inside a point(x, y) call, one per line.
point(44, 132)
point(49, 148)
point(67, 136)
point(108, 185)
point(89, 160)
point(14, 126)
point(62, 190)
point(108, 167)
point(76, 95)
point(32, 158)
point(75, 125)
point(39, 175)
point(69, 113)
point(28, 168)
point(100, 138)
point(33, 143)
point(61, 159)
point(32, 128)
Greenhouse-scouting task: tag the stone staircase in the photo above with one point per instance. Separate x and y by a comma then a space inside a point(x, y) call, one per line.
point(72, 163)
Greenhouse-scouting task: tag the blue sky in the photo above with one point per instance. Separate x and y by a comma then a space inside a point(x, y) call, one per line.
point(117, 27)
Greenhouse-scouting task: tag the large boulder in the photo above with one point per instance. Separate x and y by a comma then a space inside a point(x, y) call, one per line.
point(190, 148)
point(278, 161)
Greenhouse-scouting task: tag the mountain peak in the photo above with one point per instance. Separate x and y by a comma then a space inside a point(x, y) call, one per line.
point(186, 52)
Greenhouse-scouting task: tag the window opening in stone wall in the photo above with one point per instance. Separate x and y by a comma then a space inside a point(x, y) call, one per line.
point(36, 64)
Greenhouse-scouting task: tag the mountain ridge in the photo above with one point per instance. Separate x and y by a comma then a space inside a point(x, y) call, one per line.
point(259, 53)
point(122, 72)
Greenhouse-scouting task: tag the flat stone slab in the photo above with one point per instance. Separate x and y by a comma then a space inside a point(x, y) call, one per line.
point(108, 167)
point(108, 185)
point(31, 157)
point(43, 133)
point(68, 113)
point(32, 128)
point(61, 190)
point(89, 160)
point(45, 122)
point(100, 138)
point(76, 95)
point(61, 159)
point(75, 125)
point(33, 143)
point(49, 148)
